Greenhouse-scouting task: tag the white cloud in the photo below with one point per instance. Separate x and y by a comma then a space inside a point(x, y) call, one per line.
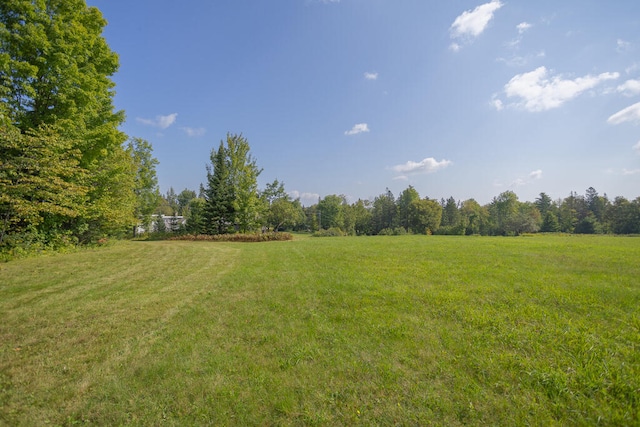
point(193, 132)
point(537, 174)
point(629, 114)
point(455, 47)
point(472, 23)
point(630, 87)
point(630, 172)
point(521, 61)
point(497, 103)
point(428, 165)
point(539, 92)
point(161, 122)
point(523, 26)
point(636, 147)
point(304, 197)
point(359, 128)
point(623, 46)
point(632, 68)
point(519, 182)
point(371, 76)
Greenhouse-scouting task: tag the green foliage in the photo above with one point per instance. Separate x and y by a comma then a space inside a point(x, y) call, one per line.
point(42, 188)
point(625, 216)
point(405, 209)
point(243, 175)
point(451, 215)
point(62, 153)
point(550, 223)
point(397, 231)
point(146, 182)
point(232, 191)
point(195, 223)
point(329, 232)
point(384, 212)
point(362, 217)
point(55, 68)
point(219, 193)
point(279, 210)
point(331, 212)
point(425, 216)
point(236, 237)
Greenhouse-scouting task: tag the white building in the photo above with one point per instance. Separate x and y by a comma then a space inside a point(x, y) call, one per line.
point(171, 223)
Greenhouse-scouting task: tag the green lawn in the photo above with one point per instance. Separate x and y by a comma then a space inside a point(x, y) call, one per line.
point(411, 330)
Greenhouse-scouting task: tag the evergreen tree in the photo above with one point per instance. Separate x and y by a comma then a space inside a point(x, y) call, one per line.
point(384, 212)
point(232, 199)
point(219, 193)
point(550, 223)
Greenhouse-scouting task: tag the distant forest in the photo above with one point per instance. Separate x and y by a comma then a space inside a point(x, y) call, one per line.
point(387, 214)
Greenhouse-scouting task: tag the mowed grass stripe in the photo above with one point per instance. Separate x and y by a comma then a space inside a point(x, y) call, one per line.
point(61, 340)
point(381, 330)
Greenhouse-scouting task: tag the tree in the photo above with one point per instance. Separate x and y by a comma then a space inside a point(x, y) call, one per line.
point(56, 68)
point(232, 193)
point(160, 225)
point(219, 193)
point(452, 221)
point(550, 223)
point(183, 200)
point(361, 211)
point(40, 182)
point(383, 214)
point(55, 74)
point(526, 220)
point(573, 209)
point(502, 209)
point(281, 211)
point(146, 181)
point(405, 200)
point(111, 198)
point(544, 203)
point(172, 201)
point(475, 217)
point(195, 223)
point(425, 216)
point(244, 174)
point(330, 211)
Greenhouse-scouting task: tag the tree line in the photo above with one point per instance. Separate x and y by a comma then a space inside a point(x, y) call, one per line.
point(409, 213)
point(231, 202)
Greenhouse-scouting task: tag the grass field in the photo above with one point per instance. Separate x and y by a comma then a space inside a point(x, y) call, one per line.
point(410, 330)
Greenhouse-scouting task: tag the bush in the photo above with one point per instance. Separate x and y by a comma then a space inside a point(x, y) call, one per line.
point(397, 231)
point(331, 232)
point(238, 237)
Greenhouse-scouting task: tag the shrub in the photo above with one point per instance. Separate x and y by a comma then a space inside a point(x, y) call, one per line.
point(238, 237)
point(331, 232)
point(397, 231)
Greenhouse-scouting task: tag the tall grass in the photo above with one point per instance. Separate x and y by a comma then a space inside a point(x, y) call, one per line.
point(375, 330)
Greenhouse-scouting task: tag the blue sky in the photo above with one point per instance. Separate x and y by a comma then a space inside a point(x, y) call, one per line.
point(456, 98)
